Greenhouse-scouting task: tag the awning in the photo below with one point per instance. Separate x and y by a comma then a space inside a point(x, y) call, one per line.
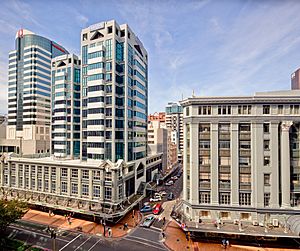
point(294, 224)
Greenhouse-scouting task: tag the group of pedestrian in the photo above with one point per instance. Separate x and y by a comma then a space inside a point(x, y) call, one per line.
point(68, 218)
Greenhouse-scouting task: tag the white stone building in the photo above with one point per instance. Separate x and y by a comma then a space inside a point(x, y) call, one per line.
point(242, 158)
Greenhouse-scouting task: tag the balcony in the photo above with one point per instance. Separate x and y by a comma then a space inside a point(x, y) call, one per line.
point(224, 169)
point(224, 185)
point(205, 168)
point(224, 152)
point(204, 135)
point(224, 136)
point(204, 152)
point(245, 152)
point(204, 185)
point(245, 186)
point(245, 136)
point(245, 169)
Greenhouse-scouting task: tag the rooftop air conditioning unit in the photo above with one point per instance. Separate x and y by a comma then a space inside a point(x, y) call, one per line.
point(275, 223)
point(255, 223)
point(236, 221)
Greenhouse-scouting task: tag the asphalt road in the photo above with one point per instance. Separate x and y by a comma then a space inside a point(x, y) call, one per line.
point(139, 239)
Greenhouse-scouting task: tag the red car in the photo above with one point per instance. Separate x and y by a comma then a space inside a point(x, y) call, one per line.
point(156, 209)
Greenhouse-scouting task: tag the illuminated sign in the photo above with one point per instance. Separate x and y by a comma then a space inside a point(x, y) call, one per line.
point(97, 26)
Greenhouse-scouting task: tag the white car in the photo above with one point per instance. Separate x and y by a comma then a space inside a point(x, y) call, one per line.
point(155, 199)
point(162, 193)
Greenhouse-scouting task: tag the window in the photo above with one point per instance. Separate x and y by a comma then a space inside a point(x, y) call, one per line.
point(96, 174)
point(266, 160)
point(74, 189)
point(107, 193)
point(244, 109)
point(204, 160)
point(245, 199)
point(280, 109)
point(85, 174)
point(245, 178)
point(204, 144)
point(224, 144)
point(53, 186)
point(266, 109)
point(266, 127)
point(204, 110)
point(85, 189)
point(74, 173)
point(64, 172)
point(187, 111)
point(223, 110)
point(204, 127)
point(109, 29)
point(224, 198)
point(204, 198)
point(96, 191)
point(64, 187)
point(267, 199)
point(266, 144)
point(120, 191)
point(266, 179)
point(84, 36)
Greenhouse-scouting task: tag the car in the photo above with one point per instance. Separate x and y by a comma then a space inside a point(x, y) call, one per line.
point(156, 209)
point(155, 199)
point(171, 182)
point(156, 194)
point(162, 193)
point(146, 208)
point(170, 196)
point(174, 178)
point(148, 221)
point(168, 184)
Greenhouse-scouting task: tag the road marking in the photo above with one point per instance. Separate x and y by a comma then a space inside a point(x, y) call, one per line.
point(94, 245)
point(150, 229)
point(70, 242)
point(144, 243)
point(24, 230)
point(83, 243)
point(142, 239)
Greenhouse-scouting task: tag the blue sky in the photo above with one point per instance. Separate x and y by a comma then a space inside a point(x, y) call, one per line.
point(214, 47)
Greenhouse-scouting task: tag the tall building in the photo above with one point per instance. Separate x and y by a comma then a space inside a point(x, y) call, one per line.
point(175, 125)
point(29, 91)
point(66, 106)
point(241, 158)
point(114, 93)
point(295, 80)
point(158, 141)
point(158, 116)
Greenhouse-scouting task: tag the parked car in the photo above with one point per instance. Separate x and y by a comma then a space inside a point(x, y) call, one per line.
point(170, 196)
point(163, 193)
point(170, 182)
point(156, 198)
point(157, 208)
point(146, 208)
point(148, 221)
point(174, 178)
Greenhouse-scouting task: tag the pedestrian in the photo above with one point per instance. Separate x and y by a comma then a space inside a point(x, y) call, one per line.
point(126, 225)
point(164, 220)
point(163, 235)
point(227, 243)
point(109, 232)
point(48, 229)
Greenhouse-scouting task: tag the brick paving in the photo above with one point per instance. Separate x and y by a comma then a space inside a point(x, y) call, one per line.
point(61, 222)
point(176, 240)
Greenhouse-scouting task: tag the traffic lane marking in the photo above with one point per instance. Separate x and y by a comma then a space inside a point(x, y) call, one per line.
point(144, 243)
point(83, 243)
point(70, 242)
point(94, 245)
point(47, 236)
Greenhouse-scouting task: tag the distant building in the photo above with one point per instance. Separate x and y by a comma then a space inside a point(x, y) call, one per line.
point(29, 92)
point(158, 116)
point(158, 141)
point(65, 105)
point(175, 125)
point(295, 80)
point(241, 158)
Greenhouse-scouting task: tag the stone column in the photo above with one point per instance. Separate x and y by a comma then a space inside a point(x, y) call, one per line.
point(114, 187)
point(69, 185)
point(29, 177)
point(234, 148)
point(194, 165)
point(90, 184)
point(285, 164)
point(1, 173)
point(43, 178)
point(79, 183)
point(17, 175)
point(274, 159)
point(9, 174)
point(184, 162)
point(58, 185)
point(214, 156)
point(102, 185)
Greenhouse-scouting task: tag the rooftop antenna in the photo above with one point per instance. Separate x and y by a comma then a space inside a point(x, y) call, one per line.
point(181, 96)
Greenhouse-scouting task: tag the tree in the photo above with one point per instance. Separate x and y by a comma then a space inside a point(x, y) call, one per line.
point(10, 211)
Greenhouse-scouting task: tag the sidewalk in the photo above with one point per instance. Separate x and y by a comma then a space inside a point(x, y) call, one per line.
point(89, 227)
point(176, 240)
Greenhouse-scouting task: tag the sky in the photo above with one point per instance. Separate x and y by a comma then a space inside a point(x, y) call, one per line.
point(211, 47)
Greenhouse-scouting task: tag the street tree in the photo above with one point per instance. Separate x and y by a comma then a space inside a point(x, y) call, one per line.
point(10, 211)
